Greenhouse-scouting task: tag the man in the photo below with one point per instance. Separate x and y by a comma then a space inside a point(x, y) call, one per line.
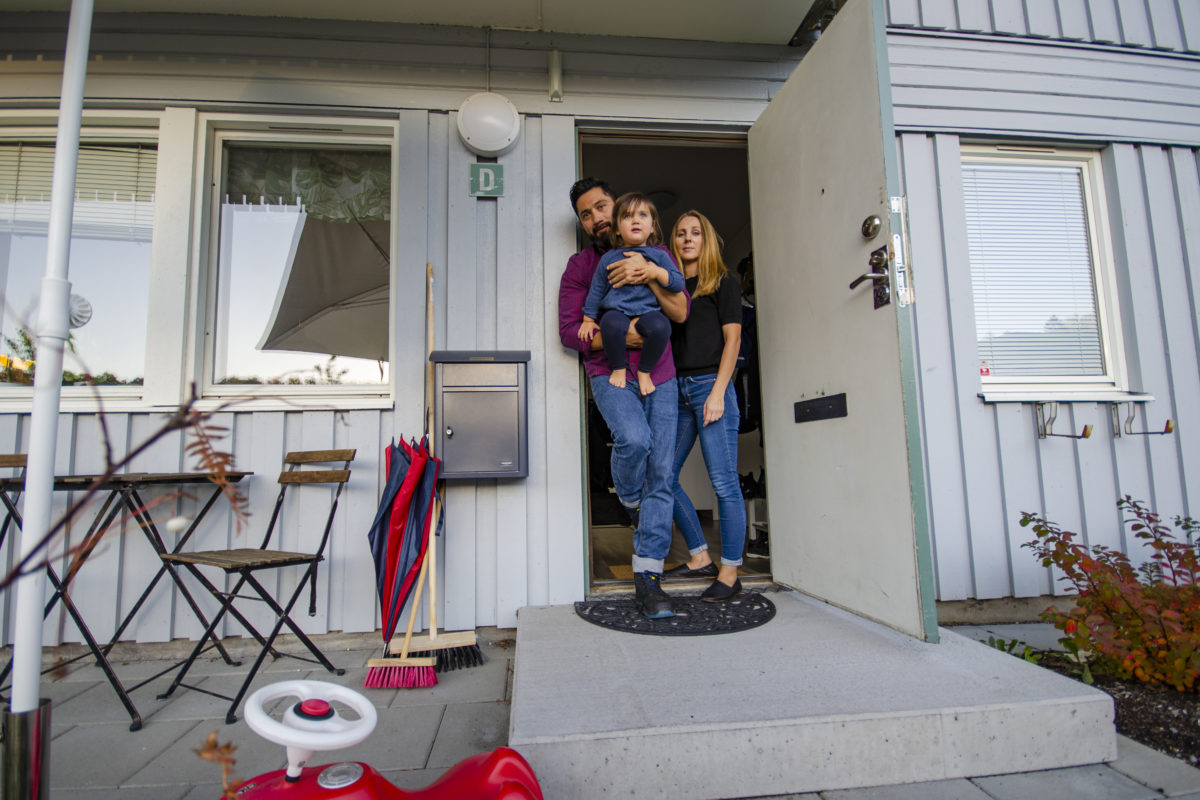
point(642, 426)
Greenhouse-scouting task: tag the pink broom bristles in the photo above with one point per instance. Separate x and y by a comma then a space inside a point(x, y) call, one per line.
point(400, 678)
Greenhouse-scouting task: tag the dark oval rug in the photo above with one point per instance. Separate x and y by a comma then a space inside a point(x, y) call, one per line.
point(692, 617)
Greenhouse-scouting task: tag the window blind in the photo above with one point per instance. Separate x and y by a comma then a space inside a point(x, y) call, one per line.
point(1032, 274)
point(114, 189)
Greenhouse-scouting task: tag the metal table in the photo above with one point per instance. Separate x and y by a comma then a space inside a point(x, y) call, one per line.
point(121, 492)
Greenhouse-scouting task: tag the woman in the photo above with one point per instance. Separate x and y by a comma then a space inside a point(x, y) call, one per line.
point(705, 349)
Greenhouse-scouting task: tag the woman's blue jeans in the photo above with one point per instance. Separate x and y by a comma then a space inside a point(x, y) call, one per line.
point(718, 444)
point(643, 431)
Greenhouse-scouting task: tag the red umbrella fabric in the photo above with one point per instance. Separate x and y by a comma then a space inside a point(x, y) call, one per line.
point(399, 534)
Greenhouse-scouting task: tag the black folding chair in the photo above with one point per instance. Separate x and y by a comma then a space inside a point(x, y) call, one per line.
point(246, 562)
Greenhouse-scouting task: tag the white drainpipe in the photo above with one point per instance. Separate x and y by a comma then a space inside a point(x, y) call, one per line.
point(53, 316)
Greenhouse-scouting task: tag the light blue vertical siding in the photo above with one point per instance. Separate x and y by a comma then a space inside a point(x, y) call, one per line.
point(986, 463)
point(1169, 25)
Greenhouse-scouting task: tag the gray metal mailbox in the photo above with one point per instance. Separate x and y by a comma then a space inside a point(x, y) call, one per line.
point(480, 416)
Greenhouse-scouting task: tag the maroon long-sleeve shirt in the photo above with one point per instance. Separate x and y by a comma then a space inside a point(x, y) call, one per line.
point(572, 292)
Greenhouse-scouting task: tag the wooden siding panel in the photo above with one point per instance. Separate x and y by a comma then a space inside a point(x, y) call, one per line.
point(1185, 170)
point(54, 625)
point(1057, 464)
point(904, 12)
point(542, 317)
point(416, 159)
point(937, 366)
point(1009, 88)
point(462, 333)
point(1097, 476)
point(1164, 23)
point(1015, 431)
point(1189, 18)
point(10, 442)
point(1106, 24)
point(938, 14)
point(1135, 23)
point(155, 620)
point(974, 15)
point(978, 458)
point(1073, 19)
point(1042, 19)
point(1179, 453)
point(517, 273)
point(1142, 317)
point(1008, 17)
point(94, 590)
point(348, 594)
point(562, 402)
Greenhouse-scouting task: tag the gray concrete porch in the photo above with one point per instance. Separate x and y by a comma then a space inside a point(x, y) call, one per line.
point(422, 732)
point(817, 699)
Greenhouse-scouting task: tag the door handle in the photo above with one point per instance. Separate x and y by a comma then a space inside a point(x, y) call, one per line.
point(878, 262)
point(873, 276)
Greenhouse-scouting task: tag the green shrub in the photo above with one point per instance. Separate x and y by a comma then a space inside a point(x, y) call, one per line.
point(1141, 622)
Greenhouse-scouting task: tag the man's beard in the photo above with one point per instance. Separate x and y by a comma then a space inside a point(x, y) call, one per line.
point(600, 236)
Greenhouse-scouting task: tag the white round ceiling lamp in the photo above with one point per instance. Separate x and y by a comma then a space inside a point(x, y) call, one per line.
point(488, 124)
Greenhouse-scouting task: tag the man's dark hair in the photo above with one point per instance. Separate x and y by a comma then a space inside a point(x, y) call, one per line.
point(584, 185)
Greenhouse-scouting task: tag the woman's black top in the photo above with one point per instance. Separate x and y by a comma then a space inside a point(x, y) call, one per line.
point(698, 342)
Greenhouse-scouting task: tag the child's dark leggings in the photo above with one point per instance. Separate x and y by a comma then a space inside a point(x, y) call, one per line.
point(654, 327)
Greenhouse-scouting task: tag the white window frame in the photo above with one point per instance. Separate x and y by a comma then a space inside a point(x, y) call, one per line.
point(109, 128)
point(1114, 385)
point(222, 129)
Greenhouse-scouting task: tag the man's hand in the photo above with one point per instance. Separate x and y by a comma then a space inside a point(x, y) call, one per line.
point(632, 269)
point(633, 339)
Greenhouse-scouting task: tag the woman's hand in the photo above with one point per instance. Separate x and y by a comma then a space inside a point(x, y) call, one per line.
point(714, 407)
point(632, 269)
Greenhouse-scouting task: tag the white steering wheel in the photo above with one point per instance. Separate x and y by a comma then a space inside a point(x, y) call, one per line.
point(302, 734)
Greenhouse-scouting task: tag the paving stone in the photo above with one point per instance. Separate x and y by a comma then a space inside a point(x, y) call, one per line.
point(413, 779)
point(179, 764)
point(402, 740)
point(99, 703)
point(206, 791)
point(1170, 776)
point(960, 789)
point(485, 683)
point(467, 729)
point(1096, 782)
point(101, 756)
point(187, 703)
point(142, 793)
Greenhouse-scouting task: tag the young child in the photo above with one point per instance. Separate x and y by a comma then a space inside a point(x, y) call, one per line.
point(635, 228)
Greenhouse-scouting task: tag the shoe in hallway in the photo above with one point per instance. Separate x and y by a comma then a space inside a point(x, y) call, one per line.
point(651, 600)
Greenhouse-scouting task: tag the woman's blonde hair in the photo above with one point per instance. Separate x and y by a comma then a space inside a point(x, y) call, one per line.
point(627, 203)
point(710, 268)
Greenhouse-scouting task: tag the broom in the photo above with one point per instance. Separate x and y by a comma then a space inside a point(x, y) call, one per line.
point(404, 672)
point(457, 650)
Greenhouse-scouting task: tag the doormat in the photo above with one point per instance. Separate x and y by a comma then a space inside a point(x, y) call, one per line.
point(693, 617)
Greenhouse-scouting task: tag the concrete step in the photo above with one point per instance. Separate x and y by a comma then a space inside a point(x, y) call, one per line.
point(816, 699)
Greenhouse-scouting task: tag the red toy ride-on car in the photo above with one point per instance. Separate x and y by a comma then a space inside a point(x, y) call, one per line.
point(312, 724)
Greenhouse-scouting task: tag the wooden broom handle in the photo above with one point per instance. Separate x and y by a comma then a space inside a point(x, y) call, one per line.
point(412, 613)
point(429, 334)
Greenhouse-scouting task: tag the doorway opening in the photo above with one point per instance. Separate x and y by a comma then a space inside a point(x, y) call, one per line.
point(708, 173)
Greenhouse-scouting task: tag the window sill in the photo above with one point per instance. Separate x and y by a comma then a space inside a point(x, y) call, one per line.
point(124, 405)
point(1063, 396)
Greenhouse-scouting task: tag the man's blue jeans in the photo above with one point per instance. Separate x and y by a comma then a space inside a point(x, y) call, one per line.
point(643, 431)
point(718, 443)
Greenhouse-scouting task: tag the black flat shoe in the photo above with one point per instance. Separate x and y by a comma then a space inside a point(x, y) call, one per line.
point(709, 570)
point(719, 592)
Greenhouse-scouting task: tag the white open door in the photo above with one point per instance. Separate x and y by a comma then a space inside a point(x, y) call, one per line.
point(845, 480)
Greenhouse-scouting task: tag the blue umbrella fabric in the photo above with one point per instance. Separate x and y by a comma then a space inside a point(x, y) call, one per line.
point(399, 533)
